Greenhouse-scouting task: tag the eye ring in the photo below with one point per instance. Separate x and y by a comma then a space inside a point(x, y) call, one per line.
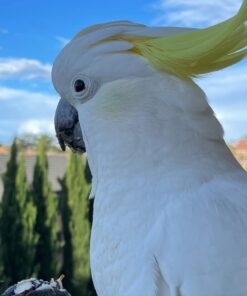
point(79, 85)
point(83, 87)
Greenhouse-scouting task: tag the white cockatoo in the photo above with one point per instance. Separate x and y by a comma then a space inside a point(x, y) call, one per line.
point(170, 209)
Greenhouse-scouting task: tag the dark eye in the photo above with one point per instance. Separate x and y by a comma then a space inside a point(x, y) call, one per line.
point(79, 85)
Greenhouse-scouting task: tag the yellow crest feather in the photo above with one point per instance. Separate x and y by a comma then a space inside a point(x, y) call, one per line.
point(186, 54)
point(201, 51)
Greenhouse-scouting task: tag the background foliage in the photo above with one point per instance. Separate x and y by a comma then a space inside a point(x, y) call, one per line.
point(43, 234)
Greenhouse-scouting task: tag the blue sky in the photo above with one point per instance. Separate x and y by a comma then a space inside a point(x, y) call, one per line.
point(32, 32)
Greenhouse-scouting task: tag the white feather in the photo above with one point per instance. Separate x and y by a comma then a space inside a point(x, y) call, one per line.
point(170, 199)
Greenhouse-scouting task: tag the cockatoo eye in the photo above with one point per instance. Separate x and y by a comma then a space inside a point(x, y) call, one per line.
point(83, 87)
point(79, 85)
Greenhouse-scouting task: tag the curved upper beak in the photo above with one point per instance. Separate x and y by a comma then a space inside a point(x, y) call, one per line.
point(67, 126)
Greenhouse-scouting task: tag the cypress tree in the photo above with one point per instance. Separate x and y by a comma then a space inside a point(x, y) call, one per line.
point(27, 212)
point(46, 258)
point(17, 221)
point(76, 227)
point(9, 218)
point(88, 176)
point(2, 277)
point(1, 255)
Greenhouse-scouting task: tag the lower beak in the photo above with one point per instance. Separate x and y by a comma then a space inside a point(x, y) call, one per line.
point(68, 129)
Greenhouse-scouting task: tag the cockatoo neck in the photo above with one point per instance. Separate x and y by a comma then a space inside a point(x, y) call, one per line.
point(138, 129)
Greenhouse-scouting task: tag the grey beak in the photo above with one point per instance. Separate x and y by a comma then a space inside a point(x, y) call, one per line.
point(68, 129)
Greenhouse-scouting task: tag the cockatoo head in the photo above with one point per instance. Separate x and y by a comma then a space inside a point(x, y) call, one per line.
point(85, 69)
point(108, 93)
point(127, 90)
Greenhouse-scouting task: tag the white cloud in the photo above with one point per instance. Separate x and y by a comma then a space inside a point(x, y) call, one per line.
point(36, 127)
point(20, 97)
point(227, 94)
point(63, 41)
point(194, 13)
point(24, 69)
point(25, 111)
